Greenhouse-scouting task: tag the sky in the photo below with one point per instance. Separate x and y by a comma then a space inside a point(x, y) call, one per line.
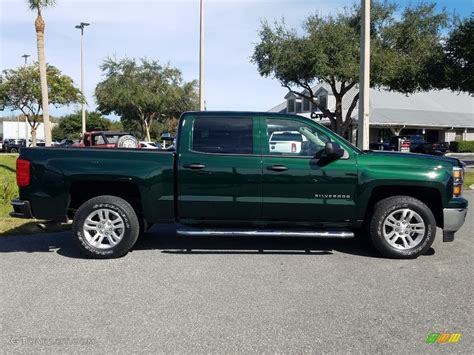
point(167, 31)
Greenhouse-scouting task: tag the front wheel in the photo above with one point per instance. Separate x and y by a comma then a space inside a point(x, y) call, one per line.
point(105, 227)
point(402, 227)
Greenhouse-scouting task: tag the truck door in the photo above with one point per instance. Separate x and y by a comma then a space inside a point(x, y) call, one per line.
point(298, 186)
point(219, 169)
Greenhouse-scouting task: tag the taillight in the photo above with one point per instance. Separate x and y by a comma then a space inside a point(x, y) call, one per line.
point(293, 147)
point(22, 172)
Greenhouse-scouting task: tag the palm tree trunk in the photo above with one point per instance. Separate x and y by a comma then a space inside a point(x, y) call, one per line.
point(39, 26)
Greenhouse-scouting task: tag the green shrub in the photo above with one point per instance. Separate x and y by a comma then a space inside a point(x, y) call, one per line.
point(8, 190)
point(462, 147)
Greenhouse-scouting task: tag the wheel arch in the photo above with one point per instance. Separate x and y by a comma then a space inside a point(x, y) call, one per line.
point(430, 196)
point(82, 191)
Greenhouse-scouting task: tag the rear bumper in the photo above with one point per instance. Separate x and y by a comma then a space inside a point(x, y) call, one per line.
point(21, 209)
point(453, 220)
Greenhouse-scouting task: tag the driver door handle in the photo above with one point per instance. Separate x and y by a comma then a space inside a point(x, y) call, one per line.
point(194, 166)
point(277, 167)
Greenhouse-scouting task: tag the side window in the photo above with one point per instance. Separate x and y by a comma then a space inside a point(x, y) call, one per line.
point(223, 135)
point(99, 139)
point(294, 138)
point(86, 140)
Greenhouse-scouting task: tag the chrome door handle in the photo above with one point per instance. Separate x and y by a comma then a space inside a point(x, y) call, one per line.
point(194, 166)
point(277, 167)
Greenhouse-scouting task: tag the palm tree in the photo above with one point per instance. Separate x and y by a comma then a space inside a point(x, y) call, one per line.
point(38, 5)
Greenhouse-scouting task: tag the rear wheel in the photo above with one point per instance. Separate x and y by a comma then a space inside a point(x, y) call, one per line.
point(105, 227)
point(402, 227)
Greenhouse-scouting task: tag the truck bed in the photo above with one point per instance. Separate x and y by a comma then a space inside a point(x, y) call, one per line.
point(57, 173)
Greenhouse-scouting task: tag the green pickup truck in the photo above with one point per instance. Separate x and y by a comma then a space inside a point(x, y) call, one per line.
point(244, 174)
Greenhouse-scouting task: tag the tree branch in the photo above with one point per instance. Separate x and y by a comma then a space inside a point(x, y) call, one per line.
point(348, 119)
point(348, 87)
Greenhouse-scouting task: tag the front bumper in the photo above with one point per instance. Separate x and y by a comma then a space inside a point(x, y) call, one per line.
point(21, 209)
point(453, 220)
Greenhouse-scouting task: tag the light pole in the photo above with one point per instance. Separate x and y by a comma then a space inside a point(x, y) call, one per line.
point(81, 27)
point(25, 56)
point(201, 56)
point(364, 77)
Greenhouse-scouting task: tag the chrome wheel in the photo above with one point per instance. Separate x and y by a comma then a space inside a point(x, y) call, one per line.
point(103, 228)
point(403, 229)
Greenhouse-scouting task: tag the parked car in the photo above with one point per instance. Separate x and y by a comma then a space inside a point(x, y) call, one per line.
point(108, 139)
point(416, 143)
point(286, 142)
point(149, 145)
point(67, 142)
point(224, 180)
point(13, 145)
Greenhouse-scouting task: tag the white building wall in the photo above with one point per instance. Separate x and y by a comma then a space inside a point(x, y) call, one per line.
point(469, 136)
point(19, 130)
point(449, 136)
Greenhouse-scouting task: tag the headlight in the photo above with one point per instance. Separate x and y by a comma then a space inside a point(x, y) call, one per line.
point(458, 179)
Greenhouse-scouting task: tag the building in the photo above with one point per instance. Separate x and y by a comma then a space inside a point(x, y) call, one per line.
point(440, 115)
point(18, 128)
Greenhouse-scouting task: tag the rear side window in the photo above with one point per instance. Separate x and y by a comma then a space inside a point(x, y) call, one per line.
point(223, 135)
point(112, 138)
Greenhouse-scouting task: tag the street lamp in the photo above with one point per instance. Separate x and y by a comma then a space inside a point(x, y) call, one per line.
point(81, 27)
point(364, 76)
point(25, 56)
point(201, 56)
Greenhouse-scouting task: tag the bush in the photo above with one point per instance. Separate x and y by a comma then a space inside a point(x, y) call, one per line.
point(462, 147)
point(8, 190)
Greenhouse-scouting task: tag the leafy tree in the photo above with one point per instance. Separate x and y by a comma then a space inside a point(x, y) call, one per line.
point(404, 52)
point(459, 74)
point(143, 91)
point(70, 126)
point(116, 126)
point(38, 5)
point(20, 89)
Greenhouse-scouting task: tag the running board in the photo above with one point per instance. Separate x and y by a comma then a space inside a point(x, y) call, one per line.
point(263, 232)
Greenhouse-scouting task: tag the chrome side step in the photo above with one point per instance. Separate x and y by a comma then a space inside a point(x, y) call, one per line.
point(263, 232)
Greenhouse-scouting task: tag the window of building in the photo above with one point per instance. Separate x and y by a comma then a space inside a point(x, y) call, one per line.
point(323, 101)
point(306, 105)
point(223, 135)
point(298, 106)
point(291, 105)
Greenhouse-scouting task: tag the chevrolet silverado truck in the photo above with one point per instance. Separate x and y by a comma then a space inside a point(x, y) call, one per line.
point(225, 179)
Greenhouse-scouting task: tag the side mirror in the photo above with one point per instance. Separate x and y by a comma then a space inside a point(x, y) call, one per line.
point(332, 150)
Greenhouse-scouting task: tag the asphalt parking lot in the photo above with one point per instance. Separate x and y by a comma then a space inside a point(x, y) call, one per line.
point(229, 295)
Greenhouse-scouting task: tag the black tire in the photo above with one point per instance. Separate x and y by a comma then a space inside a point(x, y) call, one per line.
point(117, 205)
point(383, 209)
point(13, 150)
